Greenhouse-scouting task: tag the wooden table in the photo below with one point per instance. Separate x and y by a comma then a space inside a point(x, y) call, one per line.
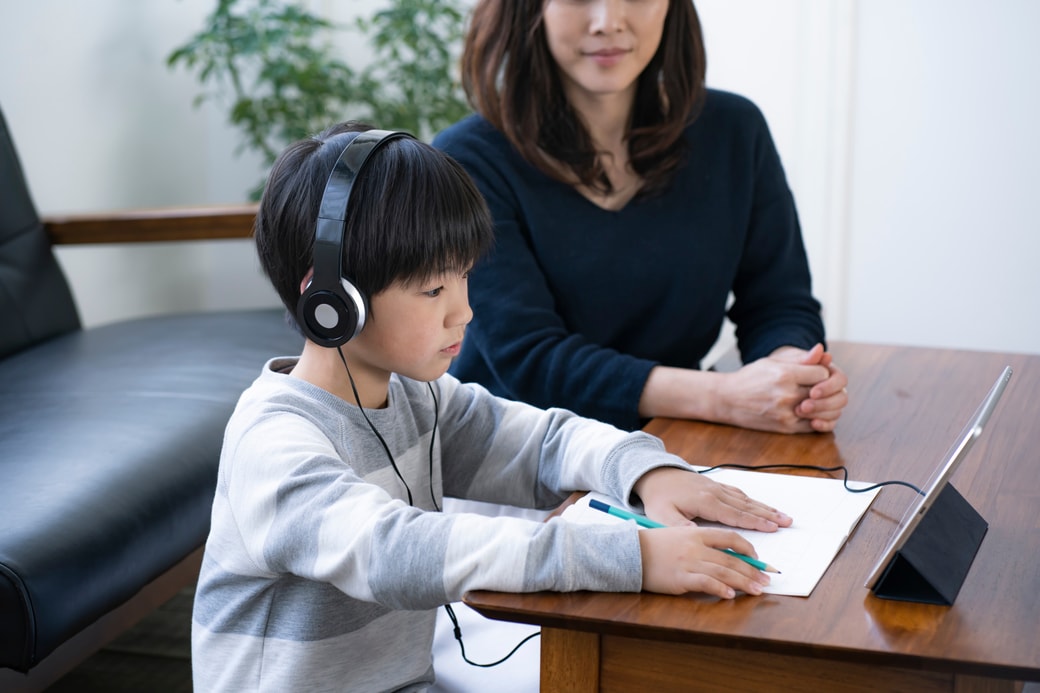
point(906, 407)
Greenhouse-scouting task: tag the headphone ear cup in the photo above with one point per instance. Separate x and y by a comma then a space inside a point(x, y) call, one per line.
point(331, 318)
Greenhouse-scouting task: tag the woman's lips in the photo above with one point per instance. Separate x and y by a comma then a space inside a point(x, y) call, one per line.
point(607, 56)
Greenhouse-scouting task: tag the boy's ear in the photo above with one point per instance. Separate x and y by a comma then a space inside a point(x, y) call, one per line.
point(306, 280)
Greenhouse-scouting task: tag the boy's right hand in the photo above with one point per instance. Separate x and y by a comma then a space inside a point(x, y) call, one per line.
point(677, 560)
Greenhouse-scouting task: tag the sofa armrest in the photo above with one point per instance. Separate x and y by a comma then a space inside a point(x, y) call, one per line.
point(148, 225)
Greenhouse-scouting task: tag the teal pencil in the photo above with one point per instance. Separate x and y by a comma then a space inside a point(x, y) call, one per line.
point(647, 522)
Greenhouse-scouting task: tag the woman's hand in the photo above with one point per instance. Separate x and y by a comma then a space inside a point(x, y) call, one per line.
point(826, 398)
point(790, 391)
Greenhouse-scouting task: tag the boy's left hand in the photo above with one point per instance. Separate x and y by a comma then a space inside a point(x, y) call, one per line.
point(675, 496)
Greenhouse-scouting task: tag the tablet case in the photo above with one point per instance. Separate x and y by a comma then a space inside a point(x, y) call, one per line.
point(934, 561)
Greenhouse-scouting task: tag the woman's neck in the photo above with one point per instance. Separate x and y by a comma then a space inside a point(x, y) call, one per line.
point(607, 118)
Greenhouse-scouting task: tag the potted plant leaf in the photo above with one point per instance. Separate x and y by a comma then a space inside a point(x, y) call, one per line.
point(275, 64)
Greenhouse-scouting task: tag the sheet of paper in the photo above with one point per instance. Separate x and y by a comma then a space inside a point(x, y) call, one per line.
point(823, 512)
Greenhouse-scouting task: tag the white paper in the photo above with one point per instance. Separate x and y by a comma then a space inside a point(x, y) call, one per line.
point(824, 514)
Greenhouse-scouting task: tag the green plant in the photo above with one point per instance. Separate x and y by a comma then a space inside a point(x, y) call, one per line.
point(274, 61)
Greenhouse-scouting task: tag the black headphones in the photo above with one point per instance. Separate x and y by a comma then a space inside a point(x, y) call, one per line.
point(331, 310)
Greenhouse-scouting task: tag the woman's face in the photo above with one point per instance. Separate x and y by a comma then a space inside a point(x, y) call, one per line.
point(602, 46)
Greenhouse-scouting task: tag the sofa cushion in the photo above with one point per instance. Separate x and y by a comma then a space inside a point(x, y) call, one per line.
point(111, 439)
point(35, 301)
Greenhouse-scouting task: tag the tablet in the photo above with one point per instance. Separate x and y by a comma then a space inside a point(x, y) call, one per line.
point(941, 477)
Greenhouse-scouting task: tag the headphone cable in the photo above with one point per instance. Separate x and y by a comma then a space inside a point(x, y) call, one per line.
point(433, 436)
point(842, 468)
point(458, 636)
point(386, 447)
point(456, 629)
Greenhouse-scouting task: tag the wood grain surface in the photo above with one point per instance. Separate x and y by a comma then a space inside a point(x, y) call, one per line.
point(906, 407)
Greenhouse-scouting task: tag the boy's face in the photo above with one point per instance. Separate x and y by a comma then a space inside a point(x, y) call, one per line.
point(415, 329)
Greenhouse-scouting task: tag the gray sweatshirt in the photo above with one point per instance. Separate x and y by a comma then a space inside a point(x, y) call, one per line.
point(318, 575)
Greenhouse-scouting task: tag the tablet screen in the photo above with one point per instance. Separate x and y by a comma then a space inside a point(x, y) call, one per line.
point(941, 476)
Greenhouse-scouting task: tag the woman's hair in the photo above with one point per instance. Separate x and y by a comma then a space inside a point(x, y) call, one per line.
point(413, 213)
point(511, 79)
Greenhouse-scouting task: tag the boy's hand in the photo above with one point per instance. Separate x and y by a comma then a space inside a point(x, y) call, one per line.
point(688, 559)
point(675, 496)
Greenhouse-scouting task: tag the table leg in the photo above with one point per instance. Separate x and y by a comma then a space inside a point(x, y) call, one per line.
point(570, 661)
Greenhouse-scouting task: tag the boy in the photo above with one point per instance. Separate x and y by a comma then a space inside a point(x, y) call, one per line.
point(327, 555)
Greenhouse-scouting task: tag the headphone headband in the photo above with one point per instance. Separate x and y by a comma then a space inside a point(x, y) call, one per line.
point(332, 310)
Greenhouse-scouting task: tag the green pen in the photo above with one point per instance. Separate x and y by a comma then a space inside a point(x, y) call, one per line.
point(647, 522)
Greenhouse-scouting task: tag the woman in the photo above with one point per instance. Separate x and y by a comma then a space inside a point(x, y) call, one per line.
point(629, 203)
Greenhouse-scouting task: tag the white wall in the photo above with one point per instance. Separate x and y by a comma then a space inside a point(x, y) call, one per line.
point(907, 128)
point(101, 123)
point(904, 126)
point(944, 233)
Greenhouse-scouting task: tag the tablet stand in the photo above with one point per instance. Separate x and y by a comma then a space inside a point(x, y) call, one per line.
point(937, 555)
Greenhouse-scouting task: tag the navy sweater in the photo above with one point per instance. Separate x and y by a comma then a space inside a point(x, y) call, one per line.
point(575, 304)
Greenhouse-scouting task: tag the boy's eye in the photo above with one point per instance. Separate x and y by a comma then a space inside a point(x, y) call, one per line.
point(434, 293)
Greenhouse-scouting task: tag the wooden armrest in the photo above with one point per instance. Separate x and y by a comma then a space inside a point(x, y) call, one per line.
point(149, 225)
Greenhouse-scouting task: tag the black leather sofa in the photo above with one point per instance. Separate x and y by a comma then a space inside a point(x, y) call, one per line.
point(109, 436)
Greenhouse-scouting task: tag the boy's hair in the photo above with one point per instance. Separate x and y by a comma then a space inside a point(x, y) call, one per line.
point(413, 213)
